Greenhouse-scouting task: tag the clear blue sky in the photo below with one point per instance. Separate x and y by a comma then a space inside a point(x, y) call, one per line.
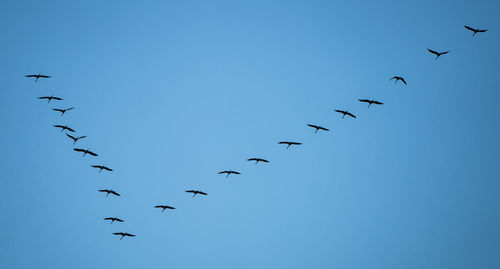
point(171, 92)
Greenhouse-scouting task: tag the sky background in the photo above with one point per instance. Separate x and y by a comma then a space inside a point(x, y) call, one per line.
point(171, 92)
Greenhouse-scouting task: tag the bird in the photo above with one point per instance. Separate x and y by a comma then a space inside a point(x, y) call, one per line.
point(124, 234)
point(194, 192)
point(475, 30)
point(109, 191)
point(85, 151)
point(63, 127)
point(113, 219)
point(228, 172)
point(101, 167)
point(163, 207)
point(75, 139)
point(397, 78)
point(50, 98)
point(62, 110)
point(370, 102)
point(438, 53)
point(37, 76)
point(317, 127)
point(288, 143)
point(345, 113)
point(257, 160)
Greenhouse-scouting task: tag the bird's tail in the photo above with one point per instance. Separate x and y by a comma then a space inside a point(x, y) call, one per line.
point(288, 146)
point(316, 131)
point(163, 209)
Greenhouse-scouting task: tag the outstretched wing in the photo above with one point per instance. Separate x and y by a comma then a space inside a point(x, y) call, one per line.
point(44, 76)
point(234, 172)
point(115, 193)
point(364, 100)
point(30, 76)
point(432, 51)
point(91, 153)
point(323, 128)
point(159, 206)
point(350, 114)
point(377, 103)
point(339, 111)
point(69, 129)
point(442, 53)
point(70, 136)
point(103, 190)
point(80, 137)
point(482, 31)
point(469, 28)
point(313, 126)
point(79, 150)
point(403, 80)
point(202, 193)
point(106, 168)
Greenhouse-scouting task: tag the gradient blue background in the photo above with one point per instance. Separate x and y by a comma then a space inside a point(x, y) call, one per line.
point(172, 92)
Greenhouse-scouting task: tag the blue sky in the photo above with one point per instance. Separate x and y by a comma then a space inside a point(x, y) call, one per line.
point(171, 92)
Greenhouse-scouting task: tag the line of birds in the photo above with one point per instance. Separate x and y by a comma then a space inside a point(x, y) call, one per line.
point(257, 160)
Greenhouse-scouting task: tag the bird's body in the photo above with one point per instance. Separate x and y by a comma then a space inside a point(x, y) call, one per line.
point(317, 127)
point(163, 207)
point(438, 54)
point(257, 160)
point(398, 78)
point(475, 30)
point(37, 76)
point(75, 139)
point(124, 234)
point(113, 219)
point(345, 113)
point(370, 102)
point(289, 143)
point(228, 172)
point(109, 192)
point(102, 167)
point(85, 152)
point(195, 192)
point(63, 127)
point(50, 98)
point(63, 110)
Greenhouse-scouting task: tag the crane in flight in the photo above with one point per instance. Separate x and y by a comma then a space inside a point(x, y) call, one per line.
point(475, 30)
point(63, 110)
point(37, 76)
point(370, 102)
point(345, 113)
point(75, 139)
point(50, 98)
point(438, 54)
point(124, 234)
point(113, 219)
point(228, 172)
point(109, 191)
point(195, 192)
point(257, 160)
point(163, 207)
point(102, 167)
point(63, 127)
point(85, 151)
point(398, 78)
point(317, 127)
point(289, 143)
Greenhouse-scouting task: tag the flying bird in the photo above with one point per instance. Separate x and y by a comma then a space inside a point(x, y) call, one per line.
point(163, 207)
point(228, 172)
point(75, 139)
point(475, 30)
point(101, 167)
point(257, 160)
point(398, 78)
point(438, 53)
point(288, 143)
point(194, 192)
point(63, 110)
point(345, 113)
point(124, 234)
point(109, 191)
point(37, 76)
point(63, 127)
point(370, 102)
point(85, 151)
point(113, 219)
point(50, 98)
point(317, 127)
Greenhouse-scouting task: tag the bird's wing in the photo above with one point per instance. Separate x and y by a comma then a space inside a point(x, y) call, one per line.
point(96, 166)
point(339, 111)
point(108, 218)
point(364, 100)
point(115, 193)
point(103, 190)
point(283, 142)
point(91, 153)
point(222, 172)
point(71, 108)
point(350, 114)
point(324, 129)
point(444, 52)
point(159, 206)
point(378, 103)
point(252, 159)
point(118, 233)
point(79, 150)
point(469, 28)
point(69, 129)
point(234, 172)
point(312, 125)
point(106, 168)
point(57, 109)
point(43, 97)
point(58, 126)
point(119, 220)
point(30, 76)
point(482, 31)
point(191, 191)
point(80, 137)
point(202, 193)
point(170, 207)
point(57, 98)
point(70, 136)
point(404, 81)
point(432, 51)
point(263, 160)
point(44, 76)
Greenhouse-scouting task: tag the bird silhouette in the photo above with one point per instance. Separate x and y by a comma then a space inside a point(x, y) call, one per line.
point(63, 127)
point(345, 113)
point(317, 127)
point(438, 54)
point(257, 160)
point(101, 167)
point(37, 76)
point(63, 110)
point(398, 78)
point(163, 207)
point(228, 172)
point(370, 102)
point(75, 139)
point(289, 143)
point(50, 98)
point(475, 30)
point(124, 234)
point(195, 192)
point(85, 151)
point(109, 191)
point(113, 219)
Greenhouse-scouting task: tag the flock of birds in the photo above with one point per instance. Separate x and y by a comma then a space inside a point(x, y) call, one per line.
point(317, 128)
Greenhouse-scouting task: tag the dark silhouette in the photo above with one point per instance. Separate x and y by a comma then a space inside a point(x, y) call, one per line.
point(475, 30)
point(85, 151)
point(113, 219)
point(370, 102)
point(318, 128)
point(257, 160)
point(63, 127)
point(345, 113)
point(101, 167)
point(109, 191)
point(63, 110)
point(397, 78)
point(37, 76)
point(288, 143)
point(124, 234)
point(194, 192)
point(228, 172)
point(50, 98)
point(438, 53)
point(163, 207)
point(75, 139)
